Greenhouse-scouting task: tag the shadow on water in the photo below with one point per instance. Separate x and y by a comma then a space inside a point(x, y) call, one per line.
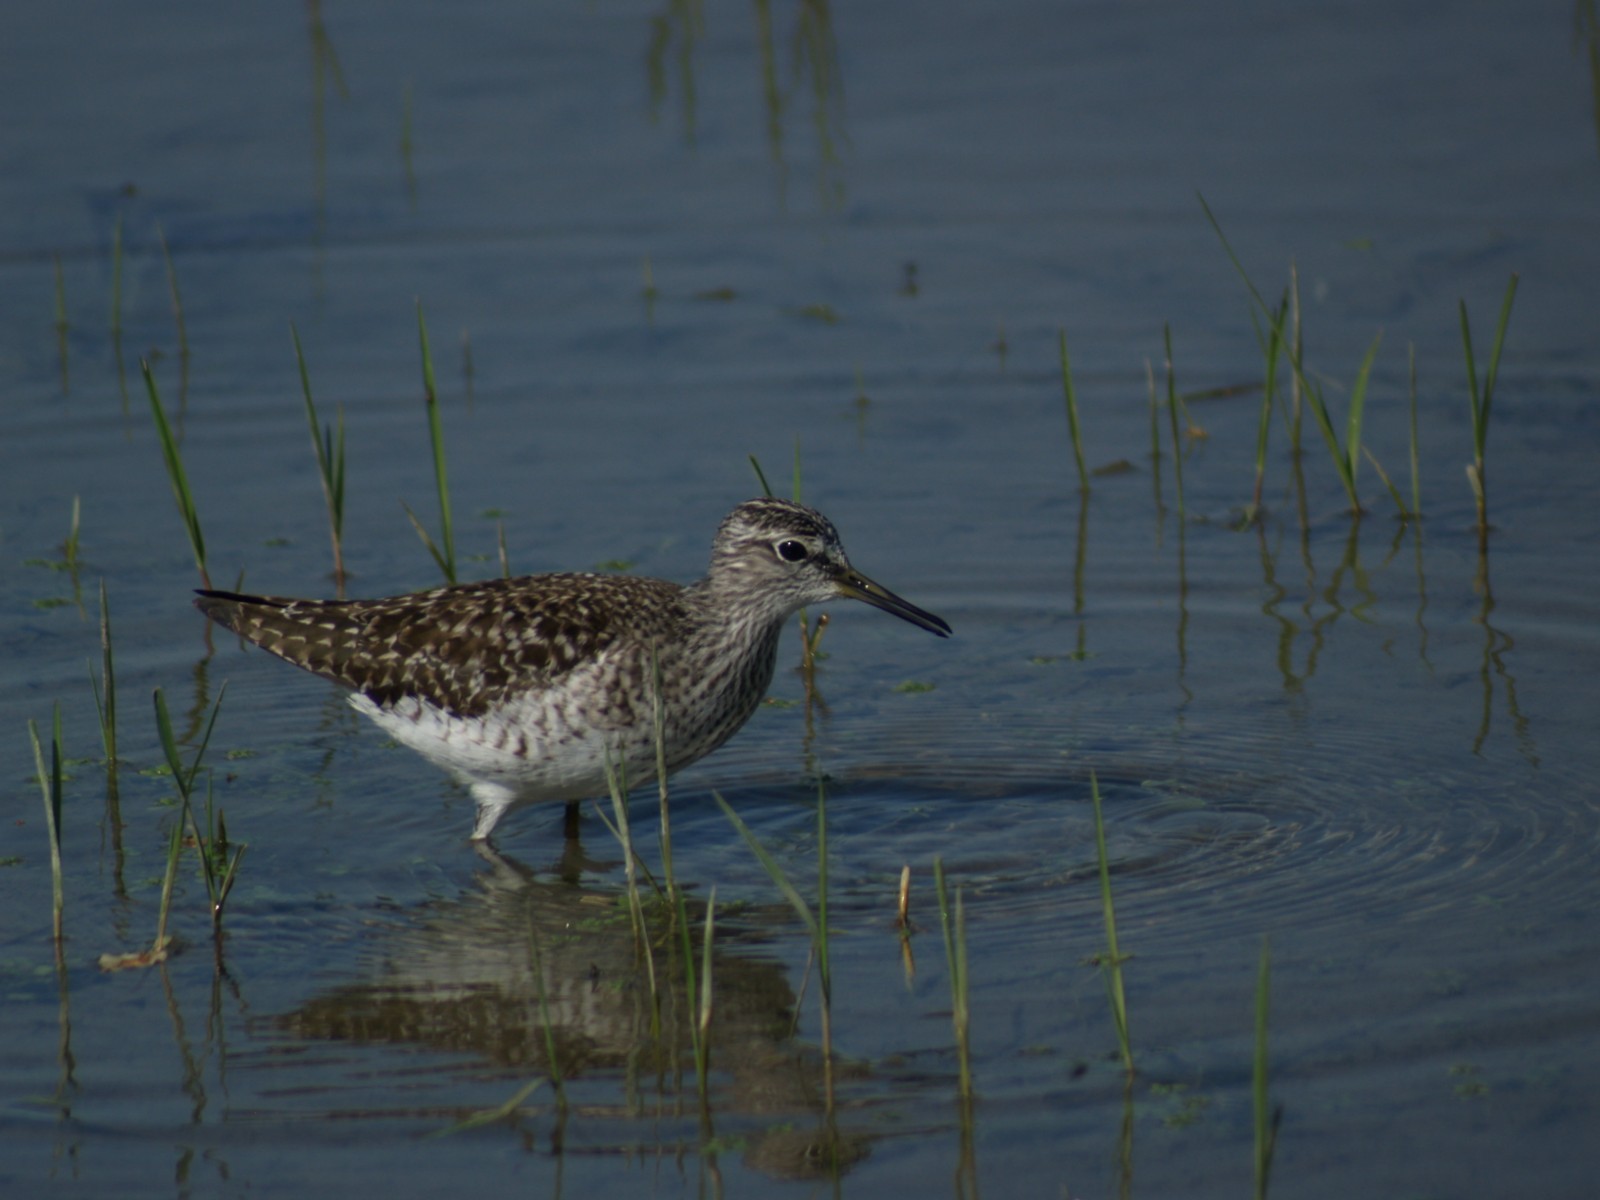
point(543, 976)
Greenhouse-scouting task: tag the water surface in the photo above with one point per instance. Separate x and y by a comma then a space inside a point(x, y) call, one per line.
point(647, 244)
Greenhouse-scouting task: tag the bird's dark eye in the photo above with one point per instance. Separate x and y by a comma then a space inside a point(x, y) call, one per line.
point(792, 551)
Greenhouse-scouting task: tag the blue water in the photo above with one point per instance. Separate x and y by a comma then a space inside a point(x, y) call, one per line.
point(666, 241)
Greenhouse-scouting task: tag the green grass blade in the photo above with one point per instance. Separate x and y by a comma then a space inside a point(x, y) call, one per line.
point(177, 299)
point(1394, 492)
point(1232, 257)
point(489, 1116)
point(184, 778)
point(50, 788)
point(328, 444)
point(1265, 1123)
point(1474, 396)
point(1172, 419)
point(1346, 458)
point(761, 476)
point(105, 688)
point(427, 540)
point(703, 1003)
point(176, 474)
point(617, 784)
point(1072, 414)
point(1358, 403)
point(1113, 960)
point(770, 865)
point(824, 971)
point(1271, 349)
point(446, 553)
point(1501, 325)
point(69, 548)
point(169, 877)
point(953, 925)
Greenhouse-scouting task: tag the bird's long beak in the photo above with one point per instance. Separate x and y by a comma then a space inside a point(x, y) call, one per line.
point(858, 587)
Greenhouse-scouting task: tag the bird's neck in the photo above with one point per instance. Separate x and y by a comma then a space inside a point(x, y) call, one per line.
point(739, 619)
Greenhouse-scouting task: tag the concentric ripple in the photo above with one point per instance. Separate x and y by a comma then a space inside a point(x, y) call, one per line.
point(1239, 829)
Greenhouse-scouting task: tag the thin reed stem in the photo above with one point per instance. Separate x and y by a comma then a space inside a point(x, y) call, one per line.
point(176, 475)
point(444, 552)
point(1266, 1118)
point(50, 780)
point(177, 308)
point(1481, 400)
point(216, 869)
point(328, 444)
point(953, 923)
point(1111, 961)
point(1072, 415)
point(1172, 419)
point(105, 689)
point(814, 922)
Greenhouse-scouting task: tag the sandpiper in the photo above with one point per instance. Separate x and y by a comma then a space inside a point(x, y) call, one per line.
point(526, 689)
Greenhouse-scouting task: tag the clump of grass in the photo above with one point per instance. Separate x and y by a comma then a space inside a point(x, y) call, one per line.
point(176, 474)
point(1072, 415)
point(50, 785)
point(954, 924)
point(1481, 400)
point(444, 551)
point(1112, 959)
point(217, 867)
point(328, 443)
point(1346, 456)
point(1266, 1117)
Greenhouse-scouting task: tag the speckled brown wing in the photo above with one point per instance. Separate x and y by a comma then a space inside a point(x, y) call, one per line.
point(465, 648)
